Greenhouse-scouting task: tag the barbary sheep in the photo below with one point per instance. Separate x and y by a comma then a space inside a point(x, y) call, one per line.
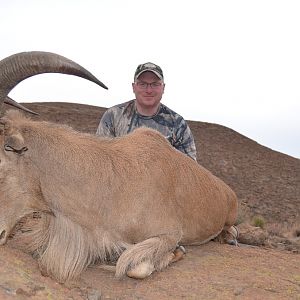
point(130, 200)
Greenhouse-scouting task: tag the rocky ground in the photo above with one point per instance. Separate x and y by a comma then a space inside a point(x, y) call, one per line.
point(212, 271)
point(268, 267)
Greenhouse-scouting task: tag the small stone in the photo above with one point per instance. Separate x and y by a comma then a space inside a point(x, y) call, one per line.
point(93, 294)
point(22, 292)
point(238, 291)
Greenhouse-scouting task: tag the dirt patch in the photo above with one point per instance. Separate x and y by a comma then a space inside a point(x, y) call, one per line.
point(211, 271)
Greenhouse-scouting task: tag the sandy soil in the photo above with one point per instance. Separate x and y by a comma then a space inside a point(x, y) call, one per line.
point(211, 271)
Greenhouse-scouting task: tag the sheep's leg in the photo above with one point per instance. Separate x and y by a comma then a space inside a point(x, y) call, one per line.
point(143, 258)
point(142, 270)
point(228, 236)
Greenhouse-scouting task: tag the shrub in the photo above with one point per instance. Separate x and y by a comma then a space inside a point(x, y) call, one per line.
point(258, 221)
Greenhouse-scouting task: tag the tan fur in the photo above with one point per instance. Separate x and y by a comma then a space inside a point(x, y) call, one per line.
point(141, 271)
point(133, 198)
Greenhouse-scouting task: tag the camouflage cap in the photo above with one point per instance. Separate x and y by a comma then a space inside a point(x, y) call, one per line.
point(149, 67)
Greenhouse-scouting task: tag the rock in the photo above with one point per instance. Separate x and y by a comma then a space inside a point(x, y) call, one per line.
point(252, 235)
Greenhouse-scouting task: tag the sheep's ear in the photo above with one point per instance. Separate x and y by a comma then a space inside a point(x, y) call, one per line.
point(1, 136)
point(13, 103)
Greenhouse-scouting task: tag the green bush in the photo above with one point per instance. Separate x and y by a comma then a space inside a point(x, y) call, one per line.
point(258, 221)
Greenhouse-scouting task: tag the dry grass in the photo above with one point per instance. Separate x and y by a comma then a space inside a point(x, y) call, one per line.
point(284, 230)
point(284, 236)
point(244, 214)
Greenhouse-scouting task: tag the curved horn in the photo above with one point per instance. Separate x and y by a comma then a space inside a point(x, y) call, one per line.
point(12, 102)
point(17, 67)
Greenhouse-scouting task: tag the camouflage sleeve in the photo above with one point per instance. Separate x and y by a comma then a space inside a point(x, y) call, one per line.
point(185, 141)
point(106, 125)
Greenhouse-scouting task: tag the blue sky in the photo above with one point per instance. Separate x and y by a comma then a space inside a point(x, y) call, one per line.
point(234, 63)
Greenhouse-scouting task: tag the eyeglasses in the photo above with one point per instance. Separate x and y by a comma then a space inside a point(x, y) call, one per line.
point(144, 85)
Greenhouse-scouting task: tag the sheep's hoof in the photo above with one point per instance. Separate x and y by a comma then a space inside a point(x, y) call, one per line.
point(233, 235)
point(43, 270)
point(228, 236)
point(178, 254)
point(141, 271)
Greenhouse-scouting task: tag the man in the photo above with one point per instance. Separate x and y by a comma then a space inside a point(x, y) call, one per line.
point(148, 111)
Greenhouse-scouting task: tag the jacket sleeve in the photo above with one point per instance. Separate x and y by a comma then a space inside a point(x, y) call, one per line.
point(185, 141)
point(106, 125)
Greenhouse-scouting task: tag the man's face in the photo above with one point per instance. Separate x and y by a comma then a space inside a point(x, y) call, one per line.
point(148, 90)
